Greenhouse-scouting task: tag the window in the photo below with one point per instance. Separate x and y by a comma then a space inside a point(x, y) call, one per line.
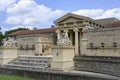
point(27, 47)
point(91, 45)
point(114, 44)
point(21, 47)
point(102, 45)
point(33, 47)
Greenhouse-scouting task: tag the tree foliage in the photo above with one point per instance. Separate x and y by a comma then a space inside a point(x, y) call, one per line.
point(1, 37)
point(14, 30)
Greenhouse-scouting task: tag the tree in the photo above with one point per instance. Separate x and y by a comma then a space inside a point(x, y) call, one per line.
point(1, 37)
point(15, 30)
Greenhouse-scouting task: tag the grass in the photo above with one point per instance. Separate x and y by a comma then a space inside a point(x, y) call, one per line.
point(9, 77)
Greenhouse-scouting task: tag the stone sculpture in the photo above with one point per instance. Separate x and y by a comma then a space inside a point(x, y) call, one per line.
point(64, 40)
point(11, 42)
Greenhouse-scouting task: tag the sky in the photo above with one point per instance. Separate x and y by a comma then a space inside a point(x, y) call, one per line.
point(42, 13)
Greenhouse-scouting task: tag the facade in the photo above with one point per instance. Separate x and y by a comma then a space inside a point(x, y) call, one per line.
point(35, 42)
point(81, 31)
point(75, 43)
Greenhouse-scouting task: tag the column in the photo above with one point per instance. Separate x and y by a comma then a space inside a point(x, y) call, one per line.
point(76, 41)
point(58, 34)
point(71, 37)
point(80, 41)
point(66, 33)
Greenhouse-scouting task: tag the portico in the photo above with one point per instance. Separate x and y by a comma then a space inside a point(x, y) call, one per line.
point(73, 25)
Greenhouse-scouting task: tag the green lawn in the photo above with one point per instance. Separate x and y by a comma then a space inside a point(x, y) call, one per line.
point(8, 77)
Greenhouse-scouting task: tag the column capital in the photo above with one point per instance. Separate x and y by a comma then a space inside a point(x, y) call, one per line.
point(76, 30)
point(66, 30)
point(57, 31)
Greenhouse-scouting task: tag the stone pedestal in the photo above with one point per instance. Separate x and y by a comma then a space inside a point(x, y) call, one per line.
point(7, 54)
point(38, 50)
point(62, 58)
point(84, 46)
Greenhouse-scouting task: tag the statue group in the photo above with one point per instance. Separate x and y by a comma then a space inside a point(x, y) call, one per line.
point(64, 40)
point(9, 42)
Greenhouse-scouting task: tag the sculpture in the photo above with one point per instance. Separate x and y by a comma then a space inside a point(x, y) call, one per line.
point(11, 42)
point(64, 40)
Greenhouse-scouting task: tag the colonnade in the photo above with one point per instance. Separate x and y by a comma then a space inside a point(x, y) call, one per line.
point(77, 41)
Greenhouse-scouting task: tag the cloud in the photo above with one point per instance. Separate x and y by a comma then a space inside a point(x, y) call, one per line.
point(29, 13)
point(4, 4)
point(99, 13)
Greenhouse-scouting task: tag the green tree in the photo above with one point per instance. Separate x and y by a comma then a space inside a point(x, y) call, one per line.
point(1, 37)
point(15, 30)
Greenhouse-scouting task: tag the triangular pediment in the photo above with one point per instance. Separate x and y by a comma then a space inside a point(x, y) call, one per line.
point(71, 18)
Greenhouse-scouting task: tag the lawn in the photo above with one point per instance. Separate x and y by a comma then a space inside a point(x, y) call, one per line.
point(8, 77)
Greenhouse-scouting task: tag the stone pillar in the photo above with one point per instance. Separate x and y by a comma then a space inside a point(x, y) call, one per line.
point(84, 46)
point(58, 34)
point(38, 50)
point(80, 46)
point(66, 33)
point(76, 41)
point(71, 37)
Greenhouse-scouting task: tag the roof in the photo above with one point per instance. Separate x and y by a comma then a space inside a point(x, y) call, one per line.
point(106, 21)
point(115, 23)
point(37, 31)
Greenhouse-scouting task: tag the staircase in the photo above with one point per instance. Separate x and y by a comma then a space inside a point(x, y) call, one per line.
point(30, 63)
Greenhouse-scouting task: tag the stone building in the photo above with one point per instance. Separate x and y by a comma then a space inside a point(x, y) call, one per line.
point(35, 42)
point(78, 29)
point(75, 43)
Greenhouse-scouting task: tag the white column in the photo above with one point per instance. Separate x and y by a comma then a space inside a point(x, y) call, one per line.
point(80, 41)
point(58, 34)
point(76, 41)
point(71, 37)
point(66, 33)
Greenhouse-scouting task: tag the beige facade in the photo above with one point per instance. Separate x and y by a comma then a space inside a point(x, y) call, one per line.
point(35, 44)
point(102, 42)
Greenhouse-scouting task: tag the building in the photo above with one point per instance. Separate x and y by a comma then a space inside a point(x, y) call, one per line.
point(87, 36)
point(75, 26)
point(35, 42)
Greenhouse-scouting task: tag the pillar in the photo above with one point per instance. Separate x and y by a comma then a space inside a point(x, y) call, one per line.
point(66, 33)
point(58, 34)
point(76, 41)
point(71, 37)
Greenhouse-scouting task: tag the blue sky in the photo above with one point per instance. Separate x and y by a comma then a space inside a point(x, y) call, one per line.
point(42, 13)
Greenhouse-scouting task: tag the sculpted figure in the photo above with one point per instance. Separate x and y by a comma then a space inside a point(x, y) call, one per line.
point(64, 40)
point(9, 42)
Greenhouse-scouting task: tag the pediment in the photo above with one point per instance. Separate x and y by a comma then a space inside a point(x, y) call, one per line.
point(69, 20)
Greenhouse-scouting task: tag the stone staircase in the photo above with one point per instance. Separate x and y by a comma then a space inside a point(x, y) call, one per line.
point(30, 63)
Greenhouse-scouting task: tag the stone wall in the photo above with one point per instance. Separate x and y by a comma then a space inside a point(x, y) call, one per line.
point(27, 44)
point(55, 75)
point(103, 42)
point(100, 64)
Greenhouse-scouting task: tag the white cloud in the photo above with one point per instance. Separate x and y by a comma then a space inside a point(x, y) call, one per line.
point(27, 12)
point(99, 13)
point(4, 4)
